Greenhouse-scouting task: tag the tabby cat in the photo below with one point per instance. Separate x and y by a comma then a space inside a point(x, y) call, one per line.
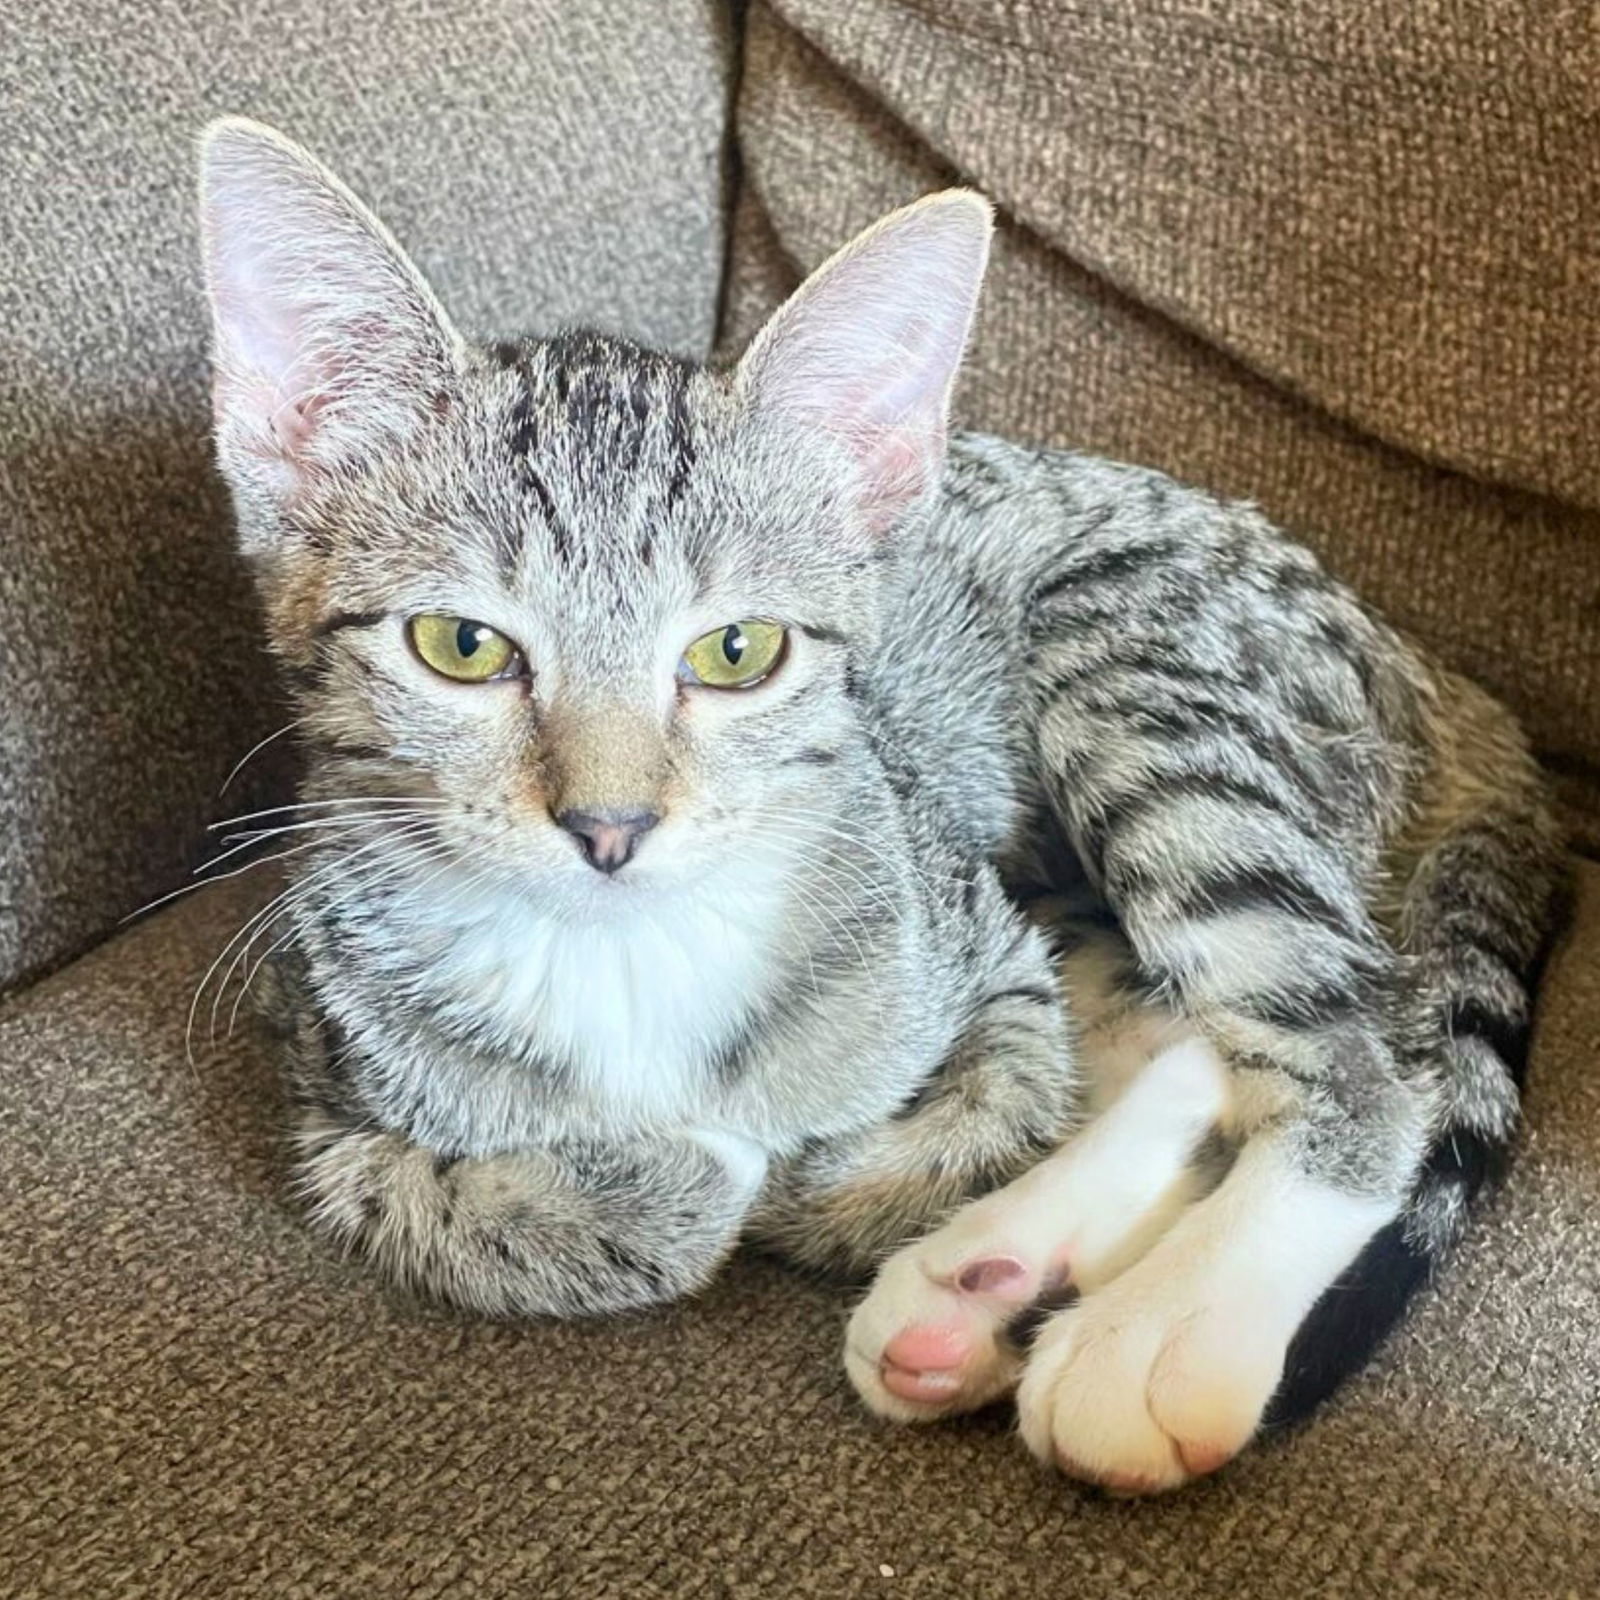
point(737, 808)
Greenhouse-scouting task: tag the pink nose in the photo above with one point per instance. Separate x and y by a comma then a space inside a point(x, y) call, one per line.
point(608, 838)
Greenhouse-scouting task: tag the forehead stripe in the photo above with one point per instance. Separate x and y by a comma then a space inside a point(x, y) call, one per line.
point(338, 620)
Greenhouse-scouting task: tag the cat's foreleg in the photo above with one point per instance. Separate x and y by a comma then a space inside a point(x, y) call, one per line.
point(1004, 1096)
point(576, 1228)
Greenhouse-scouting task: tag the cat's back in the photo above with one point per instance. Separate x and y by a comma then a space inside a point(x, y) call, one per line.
point(1145, 570)
point(1014, 530)
point(942, 690)
point(1051, 585)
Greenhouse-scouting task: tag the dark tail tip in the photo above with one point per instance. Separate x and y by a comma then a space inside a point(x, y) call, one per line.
point(1348, 1323)
point(1354, 1314)
point(1346, 1326)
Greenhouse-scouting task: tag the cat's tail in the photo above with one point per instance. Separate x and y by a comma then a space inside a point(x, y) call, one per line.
point(1477, 883)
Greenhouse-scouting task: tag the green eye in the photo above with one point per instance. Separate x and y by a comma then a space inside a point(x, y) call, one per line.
point(457, 648)
point(737, 656)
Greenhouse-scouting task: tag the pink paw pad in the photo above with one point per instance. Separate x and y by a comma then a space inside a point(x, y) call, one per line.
point(1129, 1483)
point(924, 1363)
point(1114, 1483)
point(928, 1348)
point(1002, 1276)
point(1199, 1459)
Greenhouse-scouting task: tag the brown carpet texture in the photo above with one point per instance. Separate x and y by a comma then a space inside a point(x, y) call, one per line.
point(1339, 259)
point(546, 162)
point(200, 1401)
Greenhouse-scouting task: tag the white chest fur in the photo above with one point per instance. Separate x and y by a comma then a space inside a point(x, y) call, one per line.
point(638, 999)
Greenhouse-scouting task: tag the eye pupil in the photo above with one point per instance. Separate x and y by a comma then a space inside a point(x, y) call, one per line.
point(734, 645)
point(468, 637)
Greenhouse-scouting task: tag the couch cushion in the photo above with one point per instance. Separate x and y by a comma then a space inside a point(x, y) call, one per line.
point(1335, 259)
point(201, 1401)
point(547, 161)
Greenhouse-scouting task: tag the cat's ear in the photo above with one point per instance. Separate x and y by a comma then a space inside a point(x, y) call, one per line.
point(867, 349)
point(327, 345)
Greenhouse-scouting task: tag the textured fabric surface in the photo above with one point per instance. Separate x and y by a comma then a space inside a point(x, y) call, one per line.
point(546, 162)
point(1339, 265)
point(1336, 259)
point(200, 1401)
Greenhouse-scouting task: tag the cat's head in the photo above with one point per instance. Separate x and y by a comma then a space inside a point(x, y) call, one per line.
point(599, 605)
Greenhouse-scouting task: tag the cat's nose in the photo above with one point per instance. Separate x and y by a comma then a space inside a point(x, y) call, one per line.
point(609, 838)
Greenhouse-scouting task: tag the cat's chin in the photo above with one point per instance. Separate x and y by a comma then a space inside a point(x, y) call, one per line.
point(729, 888)
point(586, 895)
point(604, 893)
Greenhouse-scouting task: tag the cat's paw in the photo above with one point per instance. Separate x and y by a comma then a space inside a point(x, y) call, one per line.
point(929, 1339)
point(1142, 1387)
point(745, 1161)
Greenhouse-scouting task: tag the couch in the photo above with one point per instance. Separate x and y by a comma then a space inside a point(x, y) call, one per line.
point(1339, 260)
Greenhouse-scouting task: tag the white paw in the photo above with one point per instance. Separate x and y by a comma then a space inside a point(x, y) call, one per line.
point(1140, 1391)
point(928, 1341)
point(742, 1158)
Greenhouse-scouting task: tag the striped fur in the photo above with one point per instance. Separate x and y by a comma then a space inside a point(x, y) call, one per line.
point(825, 1005)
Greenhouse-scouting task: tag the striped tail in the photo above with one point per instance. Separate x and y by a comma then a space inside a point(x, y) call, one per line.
point(1475, 919)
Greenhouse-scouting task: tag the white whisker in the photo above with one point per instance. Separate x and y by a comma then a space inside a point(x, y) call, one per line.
point(343, 819)
point(284, 900)
point(254, 749)
point(392, 866)
point(233, 872)
point(337, 871)
point(348, 800)
point(836, 829)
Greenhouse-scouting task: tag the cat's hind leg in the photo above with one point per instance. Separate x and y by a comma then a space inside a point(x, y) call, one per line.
point(931, 1338)
point(1161, 1376)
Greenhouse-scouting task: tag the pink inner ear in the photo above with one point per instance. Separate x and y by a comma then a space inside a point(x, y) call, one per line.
point(283, 424)
point(293, 424)
point(867, 348)
point(895, 464)
point(289, 366)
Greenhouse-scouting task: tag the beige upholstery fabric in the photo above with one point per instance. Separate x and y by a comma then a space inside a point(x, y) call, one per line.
point(546, 162)
point(1337, 259)
point(199, 1401)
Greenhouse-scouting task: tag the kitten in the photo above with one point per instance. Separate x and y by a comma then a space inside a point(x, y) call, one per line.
point(714, 778)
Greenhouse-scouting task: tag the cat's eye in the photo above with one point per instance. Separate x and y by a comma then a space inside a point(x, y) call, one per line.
point(467, 651)
point(736, 656)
